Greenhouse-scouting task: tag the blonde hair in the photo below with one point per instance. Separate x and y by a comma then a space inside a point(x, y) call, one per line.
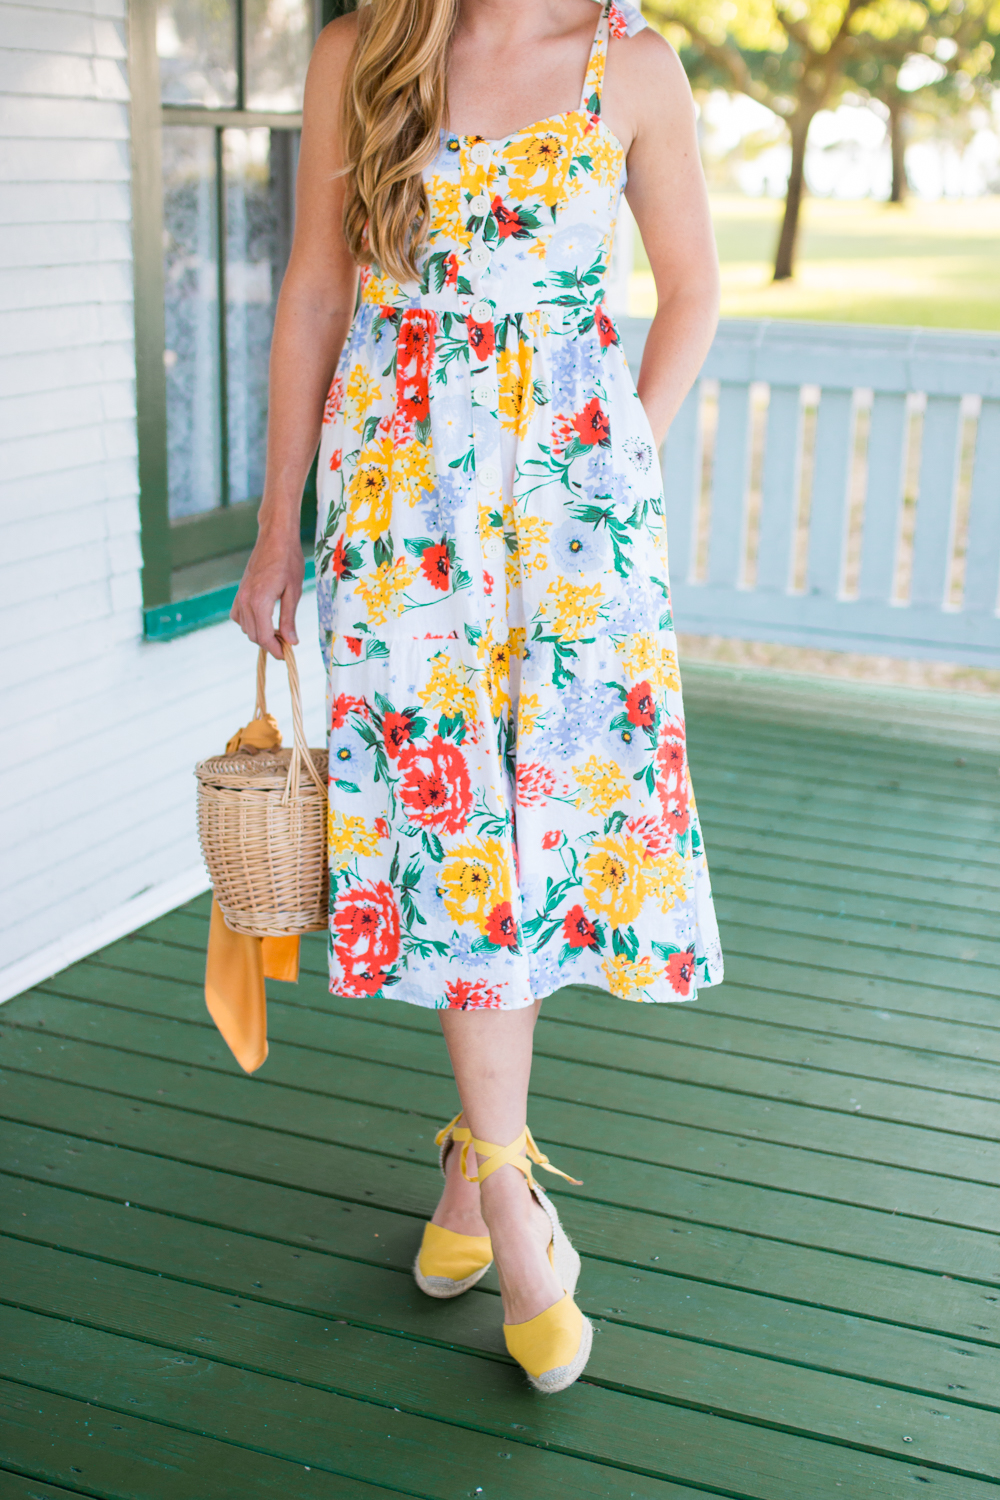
point(395, 103)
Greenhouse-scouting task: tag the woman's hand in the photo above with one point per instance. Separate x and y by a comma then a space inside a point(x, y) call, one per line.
point(274, 572)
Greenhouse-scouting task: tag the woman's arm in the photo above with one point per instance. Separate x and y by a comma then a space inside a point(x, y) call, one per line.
point(313, 316)
point(648, 90)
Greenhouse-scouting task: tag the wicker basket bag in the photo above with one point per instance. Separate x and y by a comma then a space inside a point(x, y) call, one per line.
point(262, 826)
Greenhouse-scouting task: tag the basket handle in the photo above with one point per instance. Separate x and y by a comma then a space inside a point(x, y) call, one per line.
point(300, 751)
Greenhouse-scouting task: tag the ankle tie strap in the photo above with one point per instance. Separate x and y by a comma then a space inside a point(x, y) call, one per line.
point(519, 1153)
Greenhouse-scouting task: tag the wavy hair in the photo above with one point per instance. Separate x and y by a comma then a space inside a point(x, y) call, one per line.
point(395, 103)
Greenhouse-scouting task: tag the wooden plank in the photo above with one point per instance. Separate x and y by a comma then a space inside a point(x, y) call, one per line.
point(706, 1196)
point(828, 502)
point(386, 1442)
point(883, 496)
point(572, 1064)
point(729, 482)
point(327, 1352)
point(982, 560)
point(932, 540)
point(111, 1453)
point(779, 488)
point(384, 1296)
point(681, 470)
point(304, 1221)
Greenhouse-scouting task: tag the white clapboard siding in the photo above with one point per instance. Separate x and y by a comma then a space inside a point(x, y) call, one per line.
point(845, 558)
point(101, 728)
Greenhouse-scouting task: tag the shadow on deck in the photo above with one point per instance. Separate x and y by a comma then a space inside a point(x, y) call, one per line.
point(790, 1211)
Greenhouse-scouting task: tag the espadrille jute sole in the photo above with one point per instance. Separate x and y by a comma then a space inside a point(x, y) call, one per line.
point(558, 1379)
point(443, 1287)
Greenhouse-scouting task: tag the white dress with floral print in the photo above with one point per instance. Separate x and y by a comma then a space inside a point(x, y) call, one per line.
point(510, 805)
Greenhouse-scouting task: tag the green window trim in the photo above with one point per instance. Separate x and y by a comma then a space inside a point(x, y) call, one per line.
point(230, 528)
point(164, 622)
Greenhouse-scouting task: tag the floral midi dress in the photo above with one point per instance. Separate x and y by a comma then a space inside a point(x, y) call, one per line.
point(510, 804)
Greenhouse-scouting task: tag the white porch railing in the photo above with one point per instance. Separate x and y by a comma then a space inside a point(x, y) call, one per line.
point(838, 486)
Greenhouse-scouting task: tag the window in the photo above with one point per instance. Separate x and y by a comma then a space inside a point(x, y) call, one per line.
point(217, 98)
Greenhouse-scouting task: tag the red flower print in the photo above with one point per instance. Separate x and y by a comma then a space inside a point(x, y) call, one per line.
point(463, 994)
point(508, 219)
point(617, 24)
point(487, 582)
point(338, 561)
point(334, 401)
point(672, 779)
point(562, 435)
point(534, 783)
point(606, 331)
point(680, 971)
point(353, 644)
point(481, 339)
point(381, 828)
point(552, 839)
point(641, 706)
point(451, 269)
point(592, 424)
point(344, 704)
point(395, 733)
point(336, 458)
point(365, 926)
point(435, 564)
point(501, 928)
point(435, 788)
point(654, 835)
point(578, 930)
point(414, 358)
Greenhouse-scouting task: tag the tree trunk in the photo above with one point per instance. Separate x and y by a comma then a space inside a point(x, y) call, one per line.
point(784, 260)
point(897, 141)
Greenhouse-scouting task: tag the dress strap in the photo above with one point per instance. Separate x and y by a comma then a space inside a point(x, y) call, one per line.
point(618, 18)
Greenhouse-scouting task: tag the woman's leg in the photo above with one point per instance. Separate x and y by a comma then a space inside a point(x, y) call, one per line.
point(490, 1053)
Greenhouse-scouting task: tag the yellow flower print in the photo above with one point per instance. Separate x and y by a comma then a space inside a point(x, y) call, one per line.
point(348, 835)
point(602, 786)
point(363, 390)
point(646, 659)
point(411, 471)
point(446, 691)
point(532, 535)
point(615, 879)
point(369, 493)
point(447, 218)
point(380, 289)
point(626, 979)
point(495, 657)
point(665, 882)
point(517, 399)
point(605, 156)
point(381, 589)
point(575, 608)
point(528, 709)
point(537, 163)
point(475, 878)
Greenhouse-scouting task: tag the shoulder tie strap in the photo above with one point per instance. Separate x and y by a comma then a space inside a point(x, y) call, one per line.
point(504, 1156)
point(593, 82)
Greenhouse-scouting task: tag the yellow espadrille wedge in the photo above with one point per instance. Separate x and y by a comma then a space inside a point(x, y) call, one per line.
point(552, 1348)
point(447, 1263)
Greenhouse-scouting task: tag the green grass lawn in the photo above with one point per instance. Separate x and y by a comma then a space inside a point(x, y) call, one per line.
point(932, 264)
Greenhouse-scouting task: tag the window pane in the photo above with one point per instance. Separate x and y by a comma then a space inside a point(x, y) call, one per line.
point(196, 43)
point(259, 170)
point(279, 41)
point(191, 297)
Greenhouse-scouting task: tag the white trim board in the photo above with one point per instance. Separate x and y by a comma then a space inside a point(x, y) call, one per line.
point(146, 907)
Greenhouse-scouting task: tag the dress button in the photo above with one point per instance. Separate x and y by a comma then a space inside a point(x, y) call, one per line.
point(479, 205)
point(481, 153)
point(481, 312)
point(490, 475)
point(480, 256)
point(482, 392)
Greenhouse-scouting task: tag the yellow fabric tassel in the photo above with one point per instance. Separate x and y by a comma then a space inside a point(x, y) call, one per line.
point(235, 969)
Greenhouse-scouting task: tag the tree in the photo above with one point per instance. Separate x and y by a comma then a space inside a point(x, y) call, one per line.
point(796, 58)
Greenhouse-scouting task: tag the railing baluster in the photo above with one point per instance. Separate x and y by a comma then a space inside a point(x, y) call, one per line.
point(828, 508)
point(780, 490)
point(883, 496)
point(936, 500)
point(681, 469)
point(982, 562)
point(729, 484)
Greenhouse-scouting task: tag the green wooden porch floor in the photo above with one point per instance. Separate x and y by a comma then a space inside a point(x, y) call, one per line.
point(791, 1194)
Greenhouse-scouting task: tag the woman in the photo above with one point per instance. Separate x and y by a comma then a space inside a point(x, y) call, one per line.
point(510, 806)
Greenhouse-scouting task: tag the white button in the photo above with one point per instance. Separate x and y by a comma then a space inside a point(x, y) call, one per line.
point(490, 475)
point(482, 391)
point(481, 153)
point(479, 205)
point(480, 256)
point(481, 312)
